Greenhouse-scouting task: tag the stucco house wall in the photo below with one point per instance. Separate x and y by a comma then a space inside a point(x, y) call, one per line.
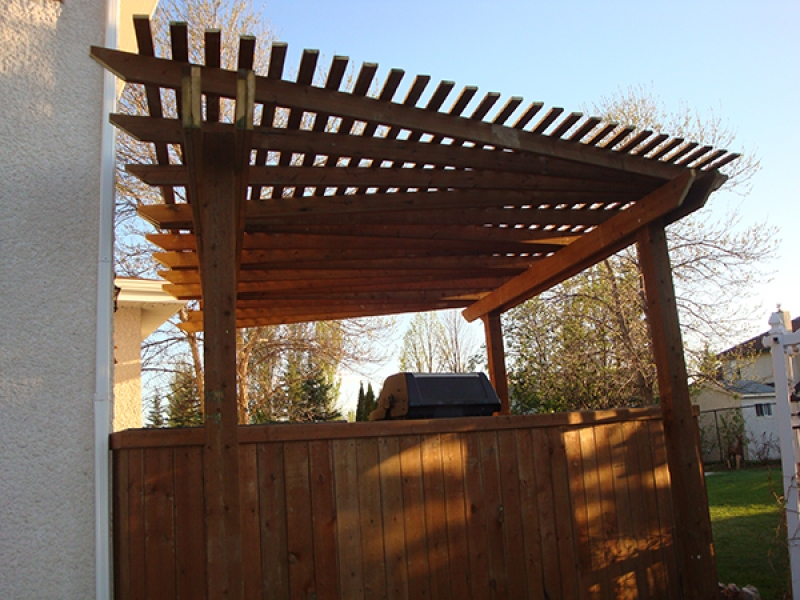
point(51, 95)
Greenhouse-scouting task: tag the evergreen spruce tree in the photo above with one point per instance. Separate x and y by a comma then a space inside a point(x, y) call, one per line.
point(370, 402)
point(361, 407)
point(155, 415)
point(184, 408)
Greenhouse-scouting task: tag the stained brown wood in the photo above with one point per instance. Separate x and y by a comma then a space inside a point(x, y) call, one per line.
point(190, 523)
point(136, 523)
point(475, 526)
point(546, 510)
point(696, 551)
point(529, 509)
point(496, 358)
point(663, 484)
point(251, 531)
point(398, 151)
point(274, 539)
point(606, 239)
point(416, 533)
point(159, 540)
point(146, 438)
point(371, 518)
point(395, 546)
point(122, 537)
point(564, 522)
point(455, 509)
point(435, 517)
point(597, 582)
point(494, 513)
point(580, 507)
point(518, 507)
point(351, 573)
point(512, 514)
point(299, 521)
point(323, 504)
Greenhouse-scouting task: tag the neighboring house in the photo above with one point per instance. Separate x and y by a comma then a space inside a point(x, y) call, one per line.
point(141, 307)
point(56, 366)
point(745, 392)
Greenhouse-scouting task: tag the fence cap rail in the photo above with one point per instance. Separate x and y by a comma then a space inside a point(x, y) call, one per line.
point(288, 432)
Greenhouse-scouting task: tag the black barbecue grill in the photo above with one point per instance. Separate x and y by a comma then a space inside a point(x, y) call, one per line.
point(435, 395)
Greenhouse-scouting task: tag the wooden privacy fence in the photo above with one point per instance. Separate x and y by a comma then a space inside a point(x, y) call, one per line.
point(574, 505)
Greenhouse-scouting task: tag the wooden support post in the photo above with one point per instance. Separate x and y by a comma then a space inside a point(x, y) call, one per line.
point(695, 550)
point(215, 194)
point(497, 358)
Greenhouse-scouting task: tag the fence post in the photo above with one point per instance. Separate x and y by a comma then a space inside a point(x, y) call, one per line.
point(780, 341)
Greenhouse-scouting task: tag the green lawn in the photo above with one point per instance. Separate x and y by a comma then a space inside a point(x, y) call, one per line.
point(746, 523)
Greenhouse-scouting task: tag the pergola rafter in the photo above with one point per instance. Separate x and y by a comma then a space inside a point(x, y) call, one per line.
point(310, 203)
point(343, 176)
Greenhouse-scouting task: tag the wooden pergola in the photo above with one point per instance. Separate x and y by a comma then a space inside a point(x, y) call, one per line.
point(314, 203)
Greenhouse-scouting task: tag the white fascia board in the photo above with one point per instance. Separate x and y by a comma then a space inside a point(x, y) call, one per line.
point(148, 296)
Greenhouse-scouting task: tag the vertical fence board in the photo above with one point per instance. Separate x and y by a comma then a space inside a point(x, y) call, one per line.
point(631, 434)
point(348, 526)
point(512, 519)
point(324, 519)
point(414, 505)
point(547, 514)
point(530, 514)
point(476, 516)
point(605, 472)
point(564, 519)
point(136, 523)
point(298, 520)
point(598, 581)
point(251, 530)
point(159, 524)
point(393, 519)
point(190, 536)
point(274, 542)
point(656, 567)
point(435, 517)
point(458, 550)
point(629, 583)
point(665, 510)
point(580, 512)
point(490, 470)
point(122, 571)
point(369, 506)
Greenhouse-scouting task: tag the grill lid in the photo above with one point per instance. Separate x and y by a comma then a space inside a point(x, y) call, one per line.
point(435, 395)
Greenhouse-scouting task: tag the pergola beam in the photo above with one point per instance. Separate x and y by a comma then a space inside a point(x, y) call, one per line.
point(329, 146)
point(493, 208)
point(605, 240)
point(167, 74)
point(333, 260)
point(391, 205)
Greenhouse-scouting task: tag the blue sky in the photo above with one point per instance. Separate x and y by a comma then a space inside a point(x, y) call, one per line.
point(739, 59)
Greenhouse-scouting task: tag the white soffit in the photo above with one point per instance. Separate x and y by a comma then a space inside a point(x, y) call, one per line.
point(148, 296)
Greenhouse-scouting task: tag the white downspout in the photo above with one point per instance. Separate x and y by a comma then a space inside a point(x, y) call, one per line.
point(105, 314)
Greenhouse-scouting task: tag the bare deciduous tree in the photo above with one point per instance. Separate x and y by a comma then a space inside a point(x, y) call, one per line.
point(585, 343)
